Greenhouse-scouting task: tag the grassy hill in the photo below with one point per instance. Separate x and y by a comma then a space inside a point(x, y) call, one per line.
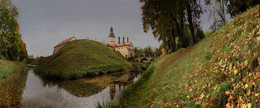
point(7, 67)
point(81, 58)
point(220, 71)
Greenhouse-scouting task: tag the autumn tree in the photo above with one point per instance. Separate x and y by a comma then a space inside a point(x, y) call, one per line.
point(168, 21)
point(11, 45)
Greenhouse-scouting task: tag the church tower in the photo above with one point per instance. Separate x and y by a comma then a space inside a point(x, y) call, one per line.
point(111, 37)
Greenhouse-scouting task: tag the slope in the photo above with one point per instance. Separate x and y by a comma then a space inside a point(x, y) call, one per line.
point(7, 67)
point(81, 58)
point(221, 70)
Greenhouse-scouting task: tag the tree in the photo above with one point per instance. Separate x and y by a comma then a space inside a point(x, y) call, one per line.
point(148, 51)
point(235, 7)
point(193, 13)
point(167, 20)
point(11, 44)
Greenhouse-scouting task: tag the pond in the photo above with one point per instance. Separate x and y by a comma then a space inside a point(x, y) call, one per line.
point(26, 89)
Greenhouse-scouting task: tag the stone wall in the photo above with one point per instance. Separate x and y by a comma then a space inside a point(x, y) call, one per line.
point(57, 49)
point(126, 52)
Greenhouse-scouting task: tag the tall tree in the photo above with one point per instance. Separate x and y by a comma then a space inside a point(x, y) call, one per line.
point(167, 20)
point(193, 10)
point(235, 7)
point(11, 44)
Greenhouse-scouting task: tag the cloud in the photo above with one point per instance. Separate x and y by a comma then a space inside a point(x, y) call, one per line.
point(44, 23)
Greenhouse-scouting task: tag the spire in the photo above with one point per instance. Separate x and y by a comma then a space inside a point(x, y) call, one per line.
point(111, 34)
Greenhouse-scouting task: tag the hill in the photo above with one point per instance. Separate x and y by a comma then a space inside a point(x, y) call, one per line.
point(223, 70)
point(81, 58)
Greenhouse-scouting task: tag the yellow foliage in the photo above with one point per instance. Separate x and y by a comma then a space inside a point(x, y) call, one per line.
point(235, 71)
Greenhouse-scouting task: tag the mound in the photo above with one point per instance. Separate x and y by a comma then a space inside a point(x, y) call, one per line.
point(81, 58)
point(221, 70)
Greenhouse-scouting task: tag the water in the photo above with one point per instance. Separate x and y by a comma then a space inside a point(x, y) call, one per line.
point(26, 89)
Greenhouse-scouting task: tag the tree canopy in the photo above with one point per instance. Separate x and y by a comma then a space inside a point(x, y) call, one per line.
point(172, 21)
point(235, 7)
point(11, 45)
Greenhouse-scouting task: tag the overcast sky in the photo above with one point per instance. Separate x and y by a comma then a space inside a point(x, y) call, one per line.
point(44, 23)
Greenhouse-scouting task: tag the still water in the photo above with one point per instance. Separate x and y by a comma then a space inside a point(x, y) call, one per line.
point(26, 89)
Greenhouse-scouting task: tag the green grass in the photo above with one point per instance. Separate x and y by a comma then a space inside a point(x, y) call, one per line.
point(82, 58)
point(220, 71)
point(8, 67)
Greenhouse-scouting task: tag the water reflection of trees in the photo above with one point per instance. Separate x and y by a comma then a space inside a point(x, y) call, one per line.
point(123, 81)
point(81, 87)
point(11, 89)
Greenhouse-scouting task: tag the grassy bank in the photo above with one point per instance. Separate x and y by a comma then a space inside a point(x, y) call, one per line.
point(12, 87)
point(81, 58)
point(220, 71)
point(7, 67)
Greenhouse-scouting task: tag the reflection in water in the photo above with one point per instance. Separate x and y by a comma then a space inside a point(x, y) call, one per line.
point(16, 91)
point(112, 90)
point(11, 89)
point(124, 80)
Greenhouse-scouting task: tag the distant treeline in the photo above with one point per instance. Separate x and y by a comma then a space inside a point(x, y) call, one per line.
point(176, 22)
point(12, 46)
point(147, 51)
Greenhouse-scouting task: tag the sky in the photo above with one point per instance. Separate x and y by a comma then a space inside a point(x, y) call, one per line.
point(45, 23)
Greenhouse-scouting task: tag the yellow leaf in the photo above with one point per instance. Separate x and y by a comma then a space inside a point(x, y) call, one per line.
point(188, 97)
point(235, 71)
point(202, 95)
point(207, 96)
point(198, 102)
point(246, 86)
point(246, 63)
point(230, 66)
point(249, 105)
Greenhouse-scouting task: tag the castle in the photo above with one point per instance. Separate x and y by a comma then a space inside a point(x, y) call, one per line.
point(125, 48)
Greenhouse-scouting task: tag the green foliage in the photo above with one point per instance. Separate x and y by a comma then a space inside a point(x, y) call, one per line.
point(168, 21)
point(105, 105)
point(102, 69)
point(2, 57)
point(7, 67)
point(235, 7)
point(147, 51)
point(81, 58)
point(11, 45)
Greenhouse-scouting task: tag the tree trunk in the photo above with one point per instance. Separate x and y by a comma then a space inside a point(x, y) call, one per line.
point(181, 32)
point(173, 43)
point(178, 32)
point(190, 23)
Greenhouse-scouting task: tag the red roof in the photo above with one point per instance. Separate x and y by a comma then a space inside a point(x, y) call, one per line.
point(120, 44)
point(64, 41)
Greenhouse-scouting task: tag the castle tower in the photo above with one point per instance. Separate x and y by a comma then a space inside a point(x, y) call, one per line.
point(111, 37)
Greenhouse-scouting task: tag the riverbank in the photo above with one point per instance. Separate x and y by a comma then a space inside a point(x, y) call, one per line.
point(27, 89)
point(81, 58)
point(221, 70)
point(8, 67)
